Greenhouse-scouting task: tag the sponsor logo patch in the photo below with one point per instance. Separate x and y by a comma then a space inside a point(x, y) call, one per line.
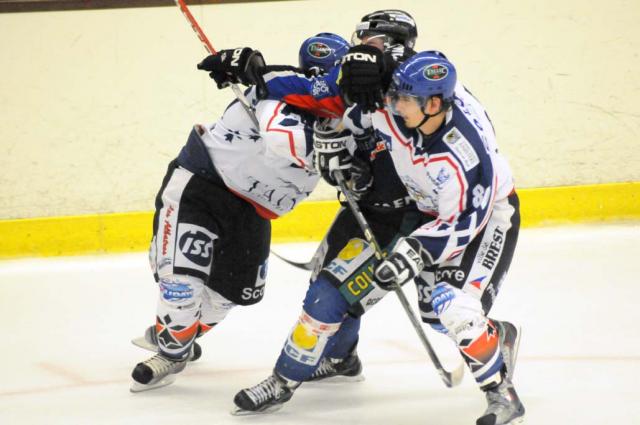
point(319, 50)
point(461, 148)
point(441, 299)
point(494, 249)
point(436, 72)
point(175, 291)
point(353, 248)
point(195, 247)
point(477, 283)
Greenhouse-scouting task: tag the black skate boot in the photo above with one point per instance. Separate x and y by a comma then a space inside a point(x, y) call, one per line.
point(348, 369)
point(150, 342)
point(504, 408)
point(268, 396)
point(156, 372)
point(509, 344)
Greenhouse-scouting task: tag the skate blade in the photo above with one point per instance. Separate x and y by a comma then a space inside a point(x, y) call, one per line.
point(143, 343)
point(516, 348)
point(137, 387)
point(237, 411)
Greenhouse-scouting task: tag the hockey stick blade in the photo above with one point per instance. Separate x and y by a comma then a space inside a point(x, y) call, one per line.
point(304, 266)
point(453, 378)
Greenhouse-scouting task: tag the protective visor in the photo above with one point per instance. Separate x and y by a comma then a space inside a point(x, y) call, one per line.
point(394, 94)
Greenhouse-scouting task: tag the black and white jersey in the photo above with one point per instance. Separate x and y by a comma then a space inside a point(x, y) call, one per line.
point(270, 167)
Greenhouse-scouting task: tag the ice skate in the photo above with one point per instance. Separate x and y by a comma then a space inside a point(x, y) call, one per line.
point(158, 371)
point(509, 344)
point(348, 369)
point(504, 407)
point(150, 342)
point(266, 397)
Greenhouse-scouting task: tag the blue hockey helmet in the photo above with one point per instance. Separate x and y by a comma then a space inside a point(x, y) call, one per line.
point(322, 51)
point(424, 75)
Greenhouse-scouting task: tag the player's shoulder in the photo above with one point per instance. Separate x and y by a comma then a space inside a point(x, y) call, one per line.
point(460, 140)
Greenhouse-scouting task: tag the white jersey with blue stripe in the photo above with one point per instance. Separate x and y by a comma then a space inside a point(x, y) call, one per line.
point(456, 174)
point(270, 167)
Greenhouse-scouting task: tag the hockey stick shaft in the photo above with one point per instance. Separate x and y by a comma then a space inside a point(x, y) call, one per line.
point(209, 47)
point(450, 378)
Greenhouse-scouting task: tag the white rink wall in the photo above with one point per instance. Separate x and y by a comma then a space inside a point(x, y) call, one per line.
point(94, 104)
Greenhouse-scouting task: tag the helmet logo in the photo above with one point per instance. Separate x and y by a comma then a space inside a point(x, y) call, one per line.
point(436, 72)
point(319, 50)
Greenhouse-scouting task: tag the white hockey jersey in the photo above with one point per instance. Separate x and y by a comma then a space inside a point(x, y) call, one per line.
point(455, 175)
point(270, 167)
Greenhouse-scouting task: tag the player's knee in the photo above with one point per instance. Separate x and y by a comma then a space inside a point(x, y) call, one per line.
point(214, 309)
point(180, 291)
point(324, 302)
point(309, 338)
point(460, 314)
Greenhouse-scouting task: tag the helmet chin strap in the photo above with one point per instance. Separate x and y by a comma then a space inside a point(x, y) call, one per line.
point(427, 116)
point(424, 119)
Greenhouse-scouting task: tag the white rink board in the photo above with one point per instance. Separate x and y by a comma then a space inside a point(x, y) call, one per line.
point(68, 321)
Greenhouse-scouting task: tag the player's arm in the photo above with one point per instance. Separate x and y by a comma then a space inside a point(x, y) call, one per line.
point(317, 94)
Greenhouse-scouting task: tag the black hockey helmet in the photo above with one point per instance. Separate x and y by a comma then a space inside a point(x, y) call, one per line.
point(394, 23)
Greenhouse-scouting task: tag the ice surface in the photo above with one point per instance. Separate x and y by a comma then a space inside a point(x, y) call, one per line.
point(67, 323)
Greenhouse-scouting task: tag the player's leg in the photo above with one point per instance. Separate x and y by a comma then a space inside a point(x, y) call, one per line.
point(456, 297)
point(181, 256)
point(344, 287)
point(341, 361)
point(213, 310)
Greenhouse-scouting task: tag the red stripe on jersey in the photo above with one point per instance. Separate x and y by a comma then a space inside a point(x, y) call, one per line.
point(328, 107)
point(459, 176)
point(402, 141)
point(289, 133)
point(409, 146)
point(262, 211)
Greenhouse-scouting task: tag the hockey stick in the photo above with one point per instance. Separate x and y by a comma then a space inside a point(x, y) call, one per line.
point(320, 253)
point(304, 266)
point(451, 379)
point(209, 47)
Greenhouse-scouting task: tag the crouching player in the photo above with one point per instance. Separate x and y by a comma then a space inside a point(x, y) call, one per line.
point(211, 229)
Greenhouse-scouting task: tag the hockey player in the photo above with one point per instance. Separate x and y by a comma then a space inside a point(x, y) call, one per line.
point(443, 147)
point(383, 197)
point(211, 230)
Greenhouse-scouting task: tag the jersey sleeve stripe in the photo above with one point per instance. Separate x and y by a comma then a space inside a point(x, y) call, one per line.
point(289, 133)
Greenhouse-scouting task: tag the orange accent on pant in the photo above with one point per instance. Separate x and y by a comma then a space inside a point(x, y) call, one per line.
point(483, 348)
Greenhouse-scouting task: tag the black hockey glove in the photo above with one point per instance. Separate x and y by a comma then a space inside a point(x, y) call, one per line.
point(362, 77)
point(407, 259)
point(330, 152)
point(235, 66)
point(361, 178)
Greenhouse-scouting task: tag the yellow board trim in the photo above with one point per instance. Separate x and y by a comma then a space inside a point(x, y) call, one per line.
point(125, 232)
